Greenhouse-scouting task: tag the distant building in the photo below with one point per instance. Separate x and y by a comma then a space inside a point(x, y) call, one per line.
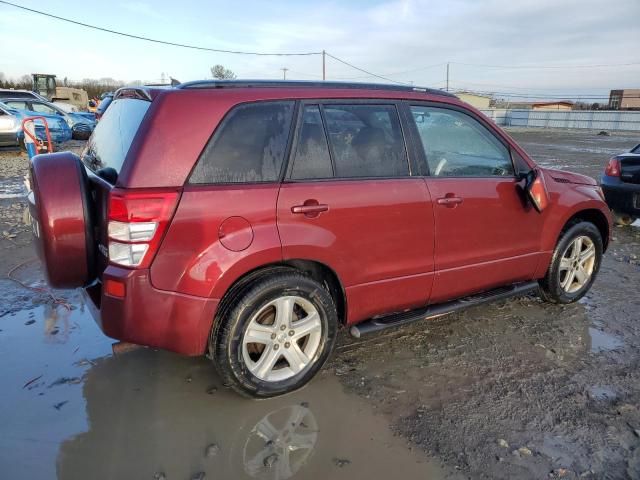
point(475, 99)
point(555, 105)
point(628, 99)
point(563, 105)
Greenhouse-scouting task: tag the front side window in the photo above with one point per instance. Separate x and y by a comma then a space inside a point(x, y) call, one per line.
point(366, 140)
point(248, 147)
point(457, 145)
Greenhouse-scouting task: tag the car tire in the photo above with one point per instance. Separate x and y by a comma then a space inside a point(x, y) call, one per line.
point(623, 219)
point(574, 264)
point(269, 309)
point(80, 135)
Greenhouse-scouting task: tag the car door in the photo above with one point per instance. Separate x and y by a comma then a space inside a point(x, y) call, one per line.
point(349, 202)
point(487, 235)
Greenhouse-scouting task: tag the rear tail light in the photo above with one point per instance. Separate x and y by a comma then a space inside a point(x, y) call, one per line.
point(613, 168)
point(137, 223)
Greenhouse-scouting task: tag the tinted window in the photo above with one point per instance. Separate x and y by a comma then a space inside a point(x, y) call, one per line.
point(249, 146)
point(636, 149)
point(457, 145)
point(312, 159)
point(110, 142)
point(366, 140)
point(16, 94)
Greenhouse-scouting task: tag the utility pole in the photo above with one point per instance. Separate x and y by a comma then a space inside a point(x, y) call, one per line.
point(324, 72)
point(447, 76)
point(284, 73)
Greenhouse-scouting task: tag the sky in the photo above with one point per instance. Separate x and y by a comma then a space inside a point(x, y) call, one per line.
point(534, 48)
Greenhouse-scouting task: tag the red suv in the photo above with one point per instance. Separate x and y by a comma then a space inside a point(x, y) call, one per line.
point(252, 220)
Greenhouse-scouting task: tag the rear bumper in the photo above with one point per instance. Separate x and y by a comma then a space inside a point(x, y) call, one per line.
point(621, 196)
point(151, 317)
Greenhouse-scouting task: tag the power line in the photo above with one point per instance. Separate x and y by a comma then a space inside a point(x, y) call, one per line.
point(365, 71)
point(567, 67)
point(155, 40)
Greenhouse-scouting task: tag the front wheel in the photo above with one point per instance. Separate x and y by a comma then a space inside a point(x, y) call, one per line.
point(275, 336)
point(574, 265)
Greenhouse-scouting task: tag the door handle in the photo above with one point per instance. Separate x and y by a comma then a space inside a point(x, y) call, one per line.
point(449, 201)
point(309, 208)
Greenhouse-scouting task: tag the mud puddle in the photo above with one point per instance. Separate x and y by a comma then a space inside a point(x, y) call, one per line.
point(70, 409)
point(602, 341)
point(12, 188)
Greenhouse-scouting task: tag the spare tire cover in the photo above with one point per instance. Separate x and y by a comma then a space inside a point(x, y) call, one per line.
point(61, 219)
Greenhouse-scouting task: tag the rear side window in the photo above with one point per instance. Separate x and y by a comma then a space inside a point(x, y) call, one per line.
point(18, 105)
point(366, 140)
point(248, 147)
point(110, 141)
point(457, 145)
point(312, 159)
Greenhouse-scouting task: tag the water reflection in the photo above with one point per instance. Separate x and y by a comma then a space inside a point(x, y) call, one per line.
point(150, 413)
point(280, 443)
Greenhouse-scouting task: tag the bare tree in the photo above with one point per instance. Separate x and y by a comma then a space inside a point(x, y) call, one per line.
point(221, 73)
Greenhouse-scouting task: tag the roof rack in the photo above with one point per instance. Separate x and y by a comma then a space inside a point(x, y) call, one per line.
point(307, 84)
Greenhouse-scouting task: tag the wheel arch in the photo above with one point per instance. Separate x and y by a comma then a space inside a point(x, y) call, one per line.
point(320, 272)
point(594, 216)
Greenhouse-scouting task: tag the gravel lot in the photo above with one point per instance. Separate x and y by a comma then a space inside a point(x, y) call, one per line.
point(518, 389)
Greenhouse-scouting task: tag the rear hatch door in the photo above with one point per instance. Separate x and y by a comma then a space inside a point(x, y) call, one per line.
point(104, 157)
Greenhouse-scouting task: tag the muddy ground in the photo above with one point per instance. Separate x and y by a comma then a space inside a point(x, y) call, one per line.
point(518, 389)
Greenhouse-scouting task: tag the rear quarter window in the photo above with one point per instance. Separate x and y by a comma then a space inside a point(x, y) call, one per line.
point(248, 147)
point(112, 138)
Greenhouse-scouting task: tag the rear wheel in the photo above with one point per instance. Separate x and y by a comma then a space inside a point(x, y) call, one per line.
point(574, 265)
point(276, 336)
point(623, 219)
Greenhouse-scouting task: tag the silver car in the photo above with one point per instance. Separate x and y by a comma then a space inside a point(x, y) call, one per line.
point(10, 129)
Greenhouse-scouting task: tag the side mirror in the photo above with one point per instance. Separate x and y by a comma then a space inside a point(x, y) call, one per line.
point(535, 189)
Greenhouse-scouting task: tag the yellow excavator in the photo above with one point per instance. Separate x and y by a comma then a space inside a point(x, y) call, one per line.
point(45, 85)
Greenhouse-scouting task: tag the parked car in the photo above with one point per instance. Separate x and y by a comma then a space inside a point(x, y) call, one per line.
point(252, 220)
point(11, 93)
point(81, 124)
point(105, 101)
point(12, 132)
point(621, 186)
point(10, 129)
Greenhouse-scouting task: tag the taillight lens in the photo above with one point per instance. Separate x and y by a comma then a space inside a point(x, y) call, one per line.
point(137, 223)
point(613, 168)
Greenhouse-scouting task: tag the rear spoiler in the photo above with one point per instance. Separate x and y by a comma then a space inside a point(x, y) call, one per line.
point(139, 93)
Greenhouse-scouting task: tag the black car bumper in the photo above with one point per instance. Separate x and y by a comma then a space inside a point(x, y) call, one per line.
point(622, 197)
point(8, 139)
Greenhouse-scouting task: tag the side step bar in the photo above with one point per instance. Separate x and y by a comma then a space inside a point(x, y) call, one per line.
point(433, 311)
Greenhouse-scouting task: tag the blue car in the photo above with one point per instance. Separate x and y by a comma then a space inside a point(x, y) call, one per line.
point(80, 123)
point(11, 127)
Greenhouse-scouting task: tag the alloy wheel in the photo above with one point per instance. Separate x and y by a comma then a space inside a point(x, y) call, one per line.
point(577, 264)
point(282, 338)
